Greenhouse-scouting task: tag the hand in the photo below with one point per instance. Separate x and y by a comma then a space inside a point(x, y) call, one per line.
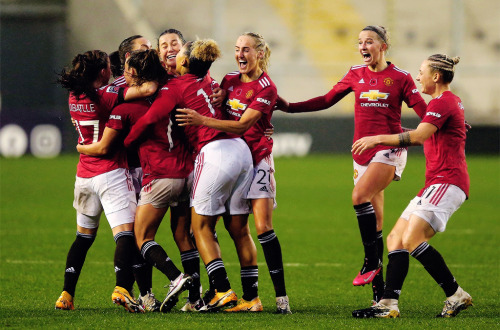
point(218, 96)
point(368, 142)
point(468, 127)
point(268, 132)
point(281, 104)
point(188, 117)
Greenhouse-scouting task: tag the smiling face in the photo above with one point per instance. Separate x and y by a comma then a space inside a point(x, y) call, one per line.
point(427, 78)
point(169, 45)
point(247, 56)
point(371, 48)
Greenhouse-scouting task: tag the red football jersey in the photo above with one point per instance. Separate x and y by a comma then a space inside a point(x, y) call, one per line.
point(445, 149)
point(119, 82)
point(187, 91)
point(122, 118)
point(259, 95)
point(163, 153)
point(378, 100)
point(90, 119)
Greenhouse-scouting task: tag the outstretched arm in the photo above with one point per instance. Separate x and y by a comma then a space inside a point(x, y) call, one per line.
point(315, 104)
point(188, 117)
point(102, 147)
point(405, 139)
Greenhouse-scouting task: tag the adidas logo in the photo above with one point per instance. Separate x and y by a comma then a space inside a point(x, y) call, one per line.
point(230, 89)
point(117, 269)
point(386, 155)
point(419, 203)
point(361, 81)
point(264, 189)
point(70, 270)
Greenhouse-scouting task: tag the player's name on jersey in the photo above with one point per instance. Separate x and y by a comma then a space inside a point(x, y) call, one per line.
point(90, 107)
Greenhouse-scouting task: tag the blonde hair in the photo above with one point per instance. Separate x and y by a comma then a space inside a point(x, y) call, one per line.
point(444, 64)
point(201, 54)
point(261, 45)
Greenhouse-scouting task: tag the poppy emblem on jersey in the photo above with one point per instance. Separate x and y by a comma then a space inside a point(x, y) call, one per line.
point(388, 81)
point(236, 105)
point(373, 82)
point(374, 95)
point(238, 92)
point(249, 94)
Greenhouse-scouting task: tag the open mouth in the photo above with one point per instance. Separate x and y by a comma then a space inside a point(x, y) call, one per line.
point(242, 64)
point(366, 56)
point(169, 57)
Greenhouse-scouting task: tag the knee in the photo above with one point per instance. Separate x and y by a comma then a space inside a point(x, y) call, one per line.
point(263, 227)
point(139, 241)
point(394, 242)
point(411, 242)
point(358, 197)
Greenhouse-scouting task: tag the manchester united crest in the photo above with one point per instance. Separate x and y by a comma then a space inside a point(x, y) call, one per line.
point(388, 81)
point(249, 94)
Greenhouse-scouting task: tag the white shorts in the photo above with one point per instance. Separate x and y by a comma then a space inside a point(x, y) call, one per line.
point(162, 193)
point(436, 205)
point(112, 192)
point(223, 172)
point(136, 174)
point(263, 183)
point(117, 218)
point(395, 157)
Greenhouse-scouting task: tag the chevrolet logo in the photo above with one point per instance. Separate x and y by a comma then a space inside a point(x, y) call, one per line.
point(236, 105)
point(374, 95)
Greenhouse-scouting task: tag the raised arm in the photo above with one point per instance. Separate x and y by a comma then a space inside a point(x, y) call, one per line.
point(189, 117)
point(411, 138)
point(103, 146)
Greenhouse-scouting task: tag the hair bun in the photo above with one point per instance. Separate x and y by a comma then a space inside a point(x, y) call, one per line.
point(455, 60)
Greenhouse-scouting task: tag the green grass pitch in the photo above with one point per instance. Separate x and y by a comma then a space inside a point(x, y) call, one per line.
point(317, 229)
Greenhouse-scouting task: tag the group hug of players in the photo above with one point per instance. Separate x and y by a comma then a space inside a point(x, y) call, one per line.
point(165, 135)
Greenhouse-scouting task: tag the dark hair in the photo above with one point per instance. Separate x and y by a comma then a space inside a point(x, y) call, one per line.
point(126, 47)
point(201, 55)
point(116, 66)
point(81, 77)
point(445, 65)
point(148, 66)
point(173, 31)
point(380, 31)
